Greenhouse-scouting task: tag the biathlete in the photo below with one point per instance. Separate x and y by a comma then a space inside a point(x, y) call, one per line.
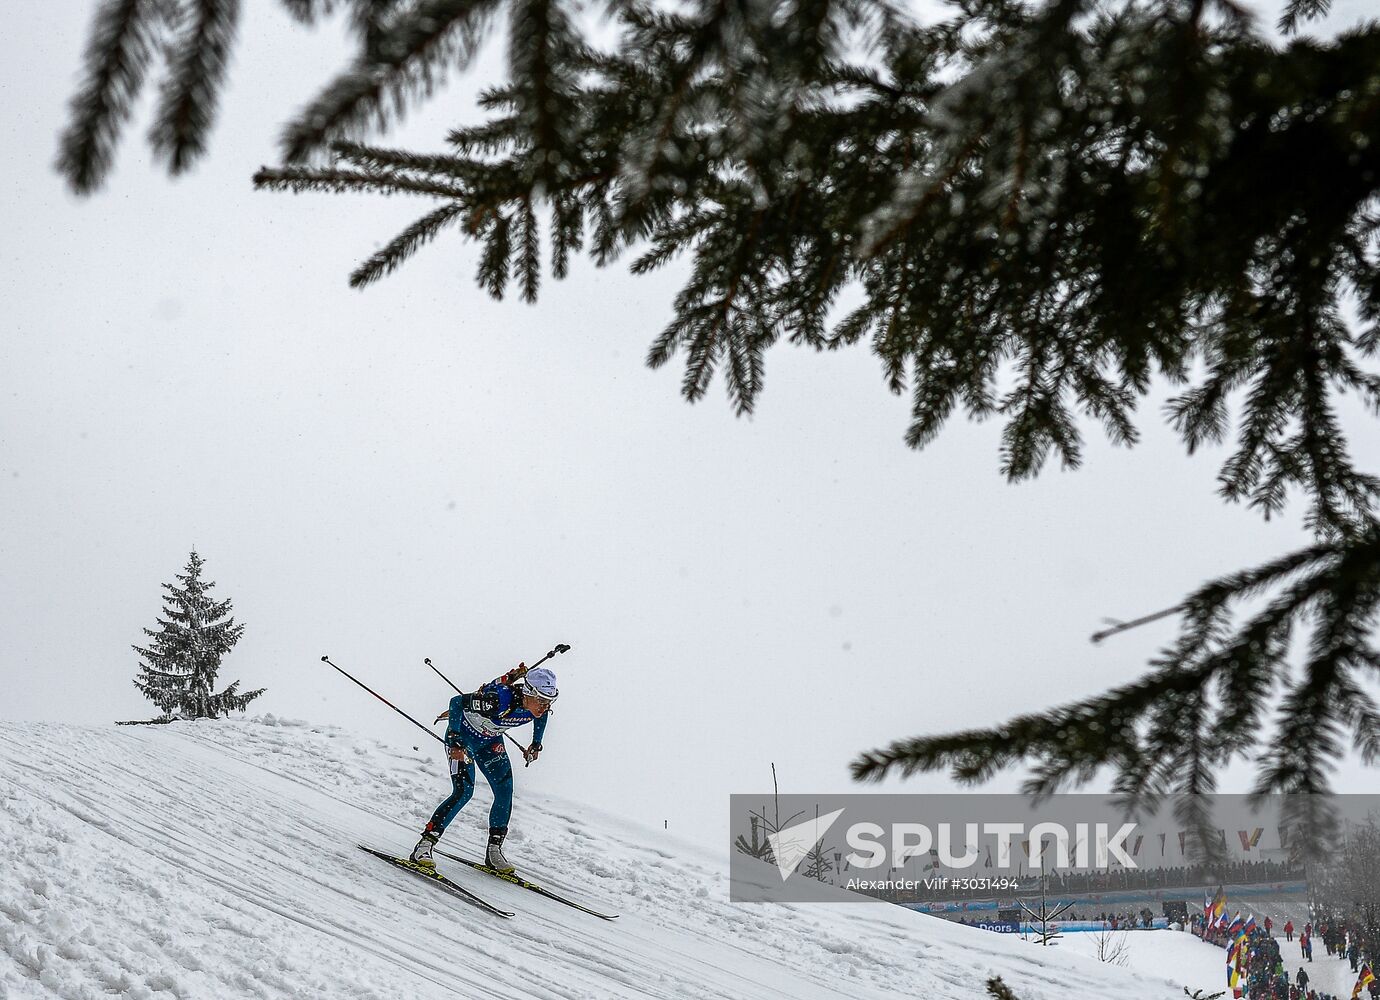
point(478, 723)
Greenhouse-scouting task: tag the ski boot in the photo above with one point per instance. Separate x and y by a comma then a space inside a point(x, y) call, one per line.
point(493, 856)
point(421, 854)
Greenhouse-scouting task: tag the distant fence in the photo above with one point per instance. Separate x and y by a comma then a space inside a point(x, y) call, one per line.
point(1067, 926)
point(1109, 898)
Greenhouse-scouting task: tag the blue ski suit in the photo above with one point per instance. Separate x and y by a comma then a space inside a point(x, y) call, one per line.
point(477, 723)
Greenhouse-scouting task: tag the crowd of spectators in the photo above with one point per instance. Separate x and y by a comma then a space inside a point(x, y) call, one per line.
point(1264, 975)
point(1129, 879)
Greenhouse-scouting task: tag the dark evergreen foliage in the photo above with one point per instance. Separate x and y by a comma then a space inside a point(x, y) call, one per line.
point(128, 35)
point(187, 103)
point(178, 669)
point(1347, 882)
point(122, 43)
point(999, 990)
point(1208, 697)
point(817, 863)
point(1044, 207)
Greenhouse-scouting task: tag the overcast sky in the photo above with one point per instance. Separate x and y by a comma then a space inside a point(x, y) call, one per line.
point(416, 471)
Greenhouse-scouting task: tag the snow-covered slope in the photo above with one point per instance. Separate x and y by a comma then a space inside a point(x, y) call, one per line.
point(217, 859)
point(1203, 966)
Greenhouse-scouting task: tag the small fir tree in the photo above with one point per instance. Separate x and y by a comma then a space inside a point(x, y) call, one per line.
point(817, 863)
point(759, 848)
point(178, 669)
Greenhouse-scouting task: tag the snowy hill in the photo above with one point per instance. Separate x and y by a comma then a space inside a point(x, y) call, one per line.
point(1203, 966)
point(218, 859)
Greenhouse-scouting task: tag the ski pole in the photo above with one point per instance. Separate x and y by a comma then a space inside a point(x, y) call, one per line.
point(515, 674)
point(526, 762)
point(443, 677)
point(560, 648)
point(327, 659)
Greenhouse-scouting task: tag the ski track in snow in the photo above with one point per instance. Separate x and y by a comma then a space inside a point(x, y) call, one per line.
point(218, 859)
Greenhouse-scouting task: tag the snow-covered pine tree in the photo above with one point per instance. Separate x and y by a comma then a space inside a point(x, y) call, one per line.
point(178, 669)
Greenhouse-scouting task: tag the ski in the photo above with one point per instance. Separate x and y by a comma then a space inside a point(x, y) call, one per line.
point(436, 878)
point(518, 880)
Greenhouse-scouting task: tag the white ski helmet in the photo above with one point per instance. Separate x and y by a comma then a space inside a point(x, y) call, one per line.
point(542, 683)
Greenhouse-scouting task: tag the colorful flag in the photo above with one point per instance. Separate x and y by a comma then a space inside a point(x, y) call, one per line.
point(1219, 908)
point(1367, 977)
point(1236, 958)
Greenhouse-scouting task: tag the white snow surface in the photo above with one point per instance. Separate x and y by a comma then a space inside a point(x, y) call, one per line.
point(218, 860)
point(1203, 966)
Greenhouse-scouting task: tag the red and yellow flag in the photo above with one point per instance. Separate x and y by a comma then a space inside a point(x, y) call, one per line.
point(1367, 977)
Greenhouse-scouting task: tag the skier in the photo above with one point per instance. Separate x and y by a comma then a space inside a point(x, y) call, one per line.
point(1289, 930)
point(477, 726)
